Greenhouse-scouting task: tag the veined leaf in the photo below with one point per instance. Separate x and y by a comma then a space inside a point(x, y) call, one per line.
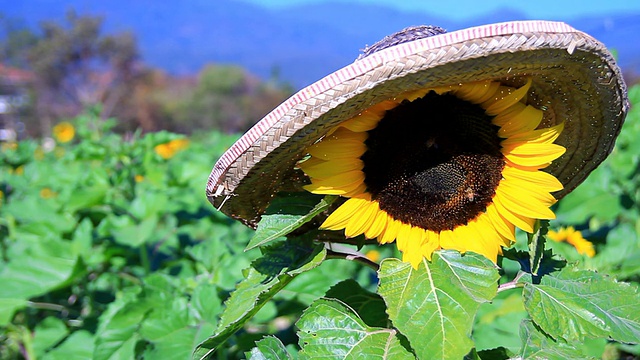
point(257, 289)
point(537, 345)
point(536, 245)
point(329, 329)
point(269, 348)
point(287, 213)
point(578, 304)
point(435, 306)
point(369, 306)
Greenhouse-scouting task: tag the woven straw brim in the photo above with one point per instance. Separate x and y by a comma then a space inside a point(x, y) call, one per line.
point(575, 80)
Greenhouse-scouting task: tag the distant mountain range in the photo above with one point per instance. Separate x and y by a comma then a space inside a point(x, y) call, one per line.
point(301, 44)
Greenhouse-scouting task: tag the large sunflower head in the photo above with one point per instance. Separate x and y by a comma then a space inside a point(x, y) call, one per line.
point(454, 167)
point(447, 141)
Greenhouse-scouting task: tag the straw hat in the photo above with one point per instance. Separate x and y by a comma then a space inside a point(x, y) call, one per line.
point(575, 80)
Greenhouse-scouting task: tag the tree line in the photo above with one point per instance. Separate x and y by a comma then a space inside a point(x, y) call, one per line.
point(76, 66)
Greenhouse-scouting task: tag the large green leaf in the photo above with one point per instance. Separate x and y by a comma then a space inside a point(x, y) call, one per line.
point(78, 346)
point(435, 306)
point(49, 265)
point(537, 345)
point(329, 329)
point(278, 266)
point(286, 213)
point(47, 334)
point(8, 306)
point(369, 306)
point(578, 304)
point(269, 348)
point(169, 331)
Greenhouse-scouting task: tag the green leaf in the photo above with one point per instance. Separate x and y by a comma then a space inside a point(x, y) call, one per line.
point(135, 235)
point(435, 306)
point(169, 331)
point(48, 333)
point(86, 197)
point(286, 213)
point(119, 324)
point(39, 270)
point(206, 302)
point(269, 348)
point(574, 305)
point(536, 245)
point(78, 346)
point(329, 329)
point(8, 306)
point(278, 269)
point(537, 345)
point(498, 323)
point(369, 306)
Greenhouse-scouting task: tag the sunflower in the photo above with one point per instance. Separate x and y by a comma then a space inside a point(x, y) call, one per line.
point(575, 238)
point(455, 167)
point(170, 149)
point(64, 132)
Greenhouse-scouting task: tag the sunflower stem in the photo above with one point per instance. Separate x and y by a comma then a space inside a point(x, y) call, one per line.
point(513, 284)
point(338, 251)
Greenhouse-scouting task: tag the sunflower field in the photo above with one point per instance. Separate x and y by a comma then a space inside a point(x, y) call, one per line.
point(109, 249)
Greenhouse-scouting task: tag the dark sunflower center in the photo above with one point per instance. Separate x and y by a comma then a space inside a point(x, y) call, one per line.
point(434, 163)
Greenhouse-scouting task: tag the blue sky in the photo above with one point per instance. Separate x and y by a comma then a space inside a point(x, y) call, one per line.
point(464, 9)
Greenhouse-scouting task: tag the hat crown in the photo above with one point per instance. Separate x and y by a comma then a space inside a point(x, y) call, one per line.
point(405, 35)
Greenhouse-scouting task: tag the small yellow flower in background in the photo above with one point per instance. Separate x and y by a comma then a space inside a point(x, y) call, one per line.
point(373, 255)
point(573, 237)
point(17, 171)
point(47, 193)
point(169, 149)
point(139, 178)
point(64, 132)
point(1, 196)
point(11, 145)
point(38, 154)
point(58, 152)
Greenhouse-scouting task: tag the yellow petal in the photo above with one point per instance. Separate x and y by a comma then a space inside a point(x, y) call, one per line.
point(342, 133)
point(404, 236)
point(361, 220)
point(378, 224)
point(534, 154)
point(526, 120)
point(338, 149)
point(507, 98)
point(503, 226)
point(524, 203)
point(368, 119)
point(413, 253)
point(390, 233)
point(327, 169)
point(431, 244)
point(539, 179)
point(523, 222)
point(540, 136)
point(360, 189)
point(489, 91)
point(508, 114)
point(340, 217)
point(342, 179)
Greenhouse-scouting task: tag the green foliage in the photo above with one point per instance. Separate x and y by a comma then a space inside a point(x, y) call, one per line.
point(109, 250)
point(434, 307)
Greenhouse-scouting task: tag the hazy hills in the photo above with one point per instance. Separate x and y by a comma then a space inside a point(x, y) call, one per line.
point(304, 43)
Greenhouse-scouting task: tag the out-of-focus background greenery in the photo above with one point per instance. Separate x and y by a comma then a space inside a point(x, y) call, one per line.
point(111, 117)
